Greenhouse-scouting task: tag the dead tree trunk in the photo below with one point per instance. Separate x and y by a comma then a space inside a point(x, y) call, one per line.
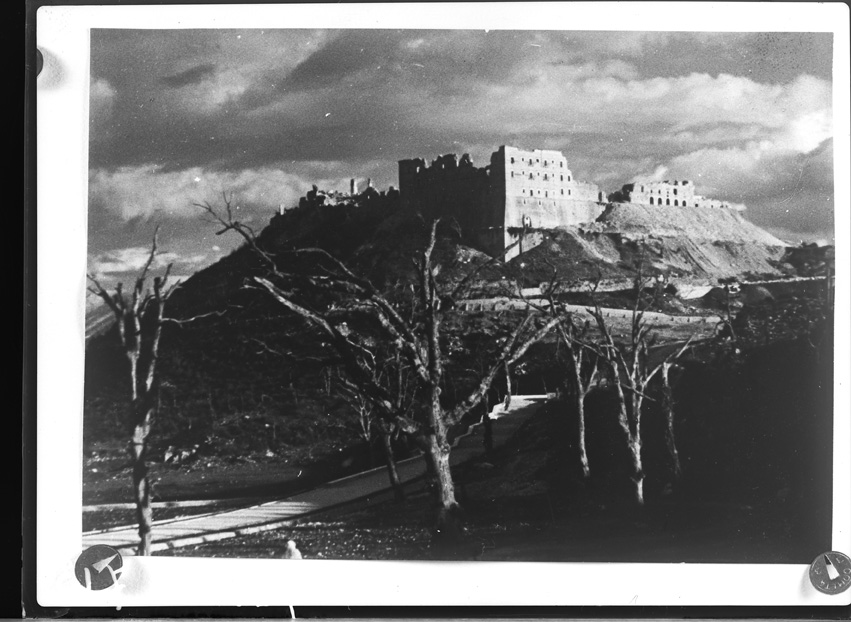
point(141, 482)
point(506, 403)
point(578, 352)
point(392, 471)
point(631, 428)
point(668, 410)
point(583, 452)
point(448, 531)
point(576, 355)
point(635, 448)
point(488, 425)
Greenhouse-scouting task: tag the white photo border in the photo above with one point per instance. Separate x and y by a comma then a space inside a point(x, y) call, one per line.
point(62, 187)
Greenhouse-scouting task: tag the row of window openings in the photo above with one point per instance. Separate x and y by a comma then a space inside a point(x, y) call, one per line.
point(546, 177)
point(537, 161)
point(546, 192)
point(668, 202)
point(658, 191)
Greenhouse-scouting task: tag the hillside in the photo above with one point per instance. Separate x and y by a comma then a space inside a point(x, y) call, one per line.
point(700, 224)
point(247, 379)
point(688, 243)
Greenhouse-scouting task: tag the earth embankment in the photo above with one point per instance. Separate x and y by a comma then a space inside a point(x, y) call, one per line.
point(696, 223)
point(702, 244)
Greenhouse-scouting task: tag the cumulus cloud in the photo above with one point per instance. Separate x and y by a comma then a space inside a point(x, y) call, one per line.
point(782, 187)
point(756, 169)
point(127, 261)
point(567, 97)
point(124, 265)
point(131, 192)
point(102, 98)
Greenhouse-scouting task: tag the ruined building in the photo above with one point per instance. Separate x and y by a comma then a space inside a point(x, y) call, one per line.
point(319, 198)
point(505, 207)
point(518, 194)
point(677, 193)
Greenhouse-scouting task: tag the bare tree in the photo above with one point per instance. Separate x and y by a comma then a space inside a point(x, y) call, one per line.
point(139, 318)
point(411, 326)
point(631, 372)
point(387, 431)
point(506, 402)
point(365, 418)
point(375, 422)
point(582, 368)
point(582, 360)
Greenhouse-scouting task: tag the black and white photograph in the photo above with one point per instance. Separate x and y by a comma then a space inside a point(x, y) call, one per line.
point(487, 297)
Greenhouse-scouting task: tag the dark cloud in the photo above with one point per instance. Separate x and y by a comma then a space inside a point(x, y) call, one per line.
point(344, 56)
point(192, 75)
point(439, 58)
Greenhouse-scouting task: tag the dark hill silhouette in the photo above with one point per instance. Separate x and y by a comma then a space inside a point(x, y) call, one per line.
point(246, 376)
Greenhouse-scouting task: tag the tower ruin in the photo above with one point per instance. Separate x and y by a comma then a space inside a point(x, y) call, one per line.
point(517, 195)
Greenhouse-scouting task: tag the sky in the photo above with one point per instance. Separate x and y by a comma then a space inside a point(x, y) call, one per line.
point(178, 117)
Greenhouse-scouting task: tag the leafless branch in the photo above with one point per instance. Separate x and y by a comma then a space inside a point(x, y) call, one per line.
point(243, 230)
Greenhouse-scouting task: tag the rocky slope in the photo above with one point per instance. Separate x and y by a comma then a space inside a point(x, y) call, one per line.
point(690, 243)
point(697, 223)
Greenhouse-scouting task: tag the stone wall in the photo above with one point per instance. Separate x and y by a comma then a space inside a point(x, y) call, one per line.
point(448, 188)
point(541, 174)
point(519, 189)
point(535, 190)
point(676, 193)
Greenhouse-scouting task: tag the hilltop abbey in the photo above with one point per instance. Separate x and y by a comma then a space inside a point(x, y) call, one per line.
point(521, 192)
point(505, 207)
point(676, 193)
